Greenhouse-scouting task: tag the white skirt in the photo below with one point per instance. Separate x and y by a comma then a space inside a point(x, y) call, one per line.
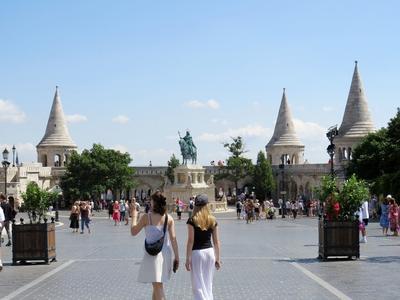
point(203, 266)
point(156, 268)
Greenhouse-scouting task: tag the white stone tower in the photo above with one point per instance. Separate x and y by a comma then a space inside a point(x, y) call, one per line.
point(284, 142)
point(356, 121)
point(54, 148)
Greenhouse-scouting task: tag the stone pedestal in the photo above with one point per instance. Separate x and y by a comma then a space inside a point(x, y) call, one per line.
point(189, 182)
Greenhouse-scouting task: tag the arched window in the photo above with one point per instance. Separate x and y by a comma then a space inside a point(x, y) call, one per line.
point(44, 160)
point(57, 160)
point(349, 153)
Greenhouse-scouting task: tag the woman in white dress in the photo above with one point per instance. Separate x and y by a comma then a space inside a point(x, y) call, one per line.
point(157, 269)
point(201, 257)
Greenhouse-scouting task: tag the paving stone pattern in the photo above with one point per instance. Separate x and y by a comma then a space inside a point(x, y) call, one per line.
point(257, 264)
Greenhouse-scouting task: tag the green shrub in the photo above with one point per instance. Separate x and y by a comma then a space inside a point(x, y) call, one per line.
point(36, 202)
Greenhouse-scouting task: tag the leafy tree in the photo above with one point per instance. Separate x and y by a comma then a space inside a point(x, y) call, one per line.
point(172, 164)
point(369, 157)
point(263, 178)
point(238, 167)
point(37, 201)
point(377, 159)
point(95, 171)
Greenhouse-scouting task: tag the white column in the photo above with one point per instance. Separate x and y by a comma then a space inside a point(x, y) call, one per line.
point(194, 177)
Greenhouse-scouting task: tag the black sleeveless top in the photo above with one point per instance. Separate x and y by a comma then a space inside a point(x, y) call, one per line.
point(202, 238)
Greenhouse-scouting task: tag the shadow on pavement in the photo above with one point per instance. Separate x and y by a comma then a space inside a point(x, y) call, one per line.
point(383, 259)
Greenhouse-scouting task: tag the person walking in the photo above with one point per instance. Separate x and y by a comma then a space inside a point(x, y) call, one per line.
point(127, 211)
point(157, 269)
point(116, 215)
point(384, 219)
point(201, 256)
point(2, 219)
point(8, 216)
point(85, 216)
point(178, 208)
point(191, 207)
point(239, 206)
point(74, 217)
point(294, 208)
point(122, 210)
point(363, 218)
point(393, 216)
point(110, 209)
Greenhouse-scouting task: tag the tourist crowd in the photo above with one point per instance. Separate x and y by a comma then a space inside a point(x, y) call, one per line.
point(251, 209)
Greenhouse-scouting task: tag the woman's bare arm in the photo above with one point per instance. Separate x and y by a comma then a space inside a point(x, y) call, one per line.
point(189, 247)
point(216, 242)
point(172, 237)
point(137, 227)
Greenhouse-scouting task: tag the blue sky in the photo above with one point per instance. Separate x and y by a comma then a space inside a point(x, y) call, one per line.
point(134, 73)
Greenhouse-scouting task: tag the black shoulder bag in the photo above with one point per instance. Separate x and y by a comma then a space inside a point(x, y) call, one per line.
point(156, 247)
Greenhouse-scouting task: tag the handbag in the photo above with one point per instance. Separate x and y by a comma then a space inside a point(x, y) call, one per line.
point(156, 247)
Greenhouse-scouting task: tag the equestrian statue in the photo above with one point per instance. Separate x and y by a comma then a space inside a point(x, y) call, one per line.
point(188, 149)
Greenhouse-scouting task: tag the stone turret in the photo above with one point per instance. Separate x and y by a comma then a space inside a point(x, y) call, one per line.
point(284, 142)
point(357, 121)
point(56, 144)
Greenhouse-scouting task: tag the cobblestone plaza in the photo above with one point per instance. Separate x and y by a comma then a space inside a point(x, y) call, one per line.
point(264, 260)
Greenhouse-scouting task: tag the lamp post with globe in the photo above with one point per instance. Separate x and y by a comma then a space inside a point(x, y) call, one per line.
point(5, 164)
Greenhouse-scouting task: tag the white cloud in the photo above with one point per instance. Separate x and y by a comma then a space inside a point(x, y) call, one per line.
point(220, 121)
point(247, 131)
point(121, 119)
point(9, 112)
point(212, 104)
point(120, 148)
point(313, 136)
point(308, 130)
point(75, 118)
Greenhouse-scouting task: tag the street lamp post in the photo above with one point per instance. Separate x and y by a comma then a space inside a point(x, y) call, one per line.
point(13, 151)
point(5, 164)
point(282, 191)
point(332, 132)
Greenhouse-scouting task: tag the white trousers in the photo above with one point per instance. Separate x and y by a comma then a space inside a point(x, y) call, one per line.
point(203, 266)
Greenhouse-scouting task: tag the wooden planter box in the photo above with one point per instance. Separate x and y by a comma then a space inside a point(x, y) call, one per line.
point(33, 242)
point(338, 238)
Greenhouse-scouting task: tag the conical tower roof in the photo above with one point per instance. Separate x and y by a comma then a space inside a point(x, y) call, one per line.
point(56, 132)
point(357, 120)
point(284, 133)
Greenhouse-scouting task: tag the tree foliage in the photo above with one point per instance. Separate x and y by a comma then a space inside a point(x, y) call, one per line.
point(350, 197)
point(172, 164)
point(96, 170)
point(238, 167)
point(377, 159)
point(263, 179)
point(37, 201)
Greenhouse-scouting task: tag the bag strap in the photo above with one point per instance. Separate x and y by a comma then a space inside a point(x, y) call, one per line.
point(165, 223)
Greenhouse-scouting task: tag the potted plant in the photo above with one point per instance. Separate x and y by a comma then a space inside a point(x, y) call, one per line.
point(36, 240)
point(338, 224)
